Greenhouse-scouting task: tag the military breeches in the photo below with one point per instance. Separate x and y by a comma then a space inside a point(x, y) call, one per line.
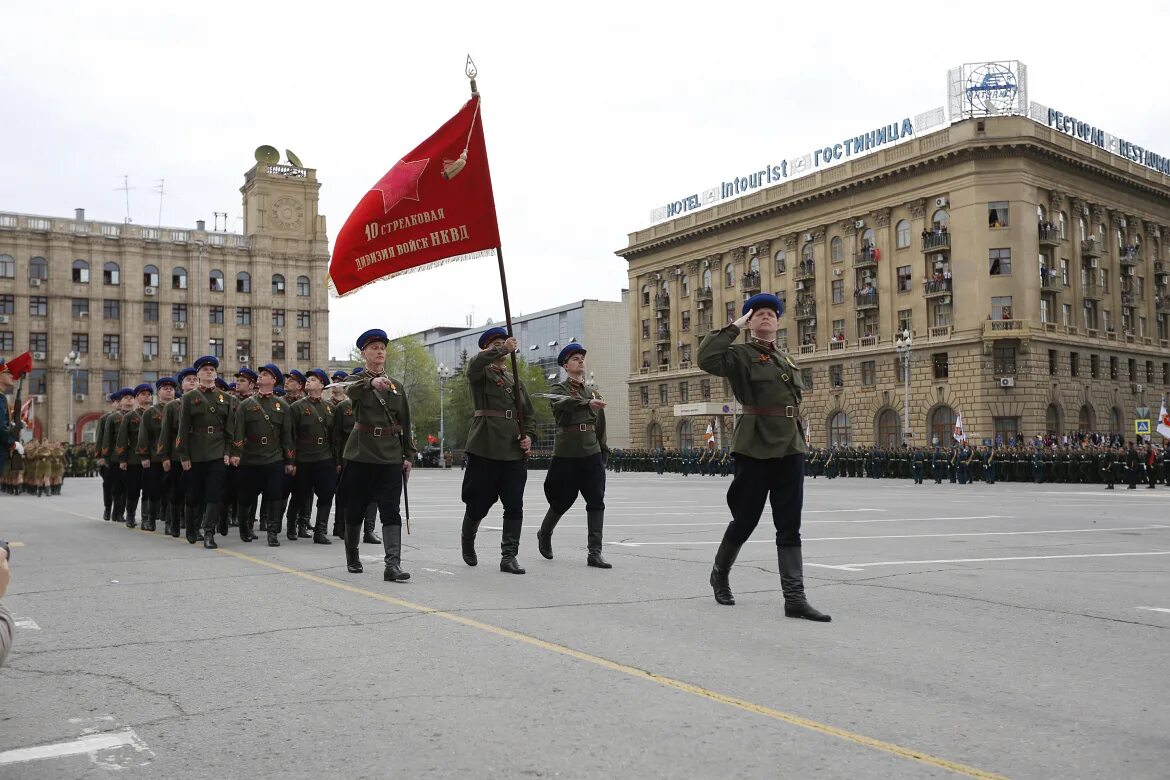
point(777, 480)
point(380, 483)
point(316, 479)
point(205, 482)
point(487, 480)
point(569, 477)
point(253, 481)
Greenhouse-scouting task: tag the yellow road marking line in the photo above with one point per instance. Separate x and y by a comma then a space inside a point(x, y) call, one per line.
point(16, 544)
point(642, 674)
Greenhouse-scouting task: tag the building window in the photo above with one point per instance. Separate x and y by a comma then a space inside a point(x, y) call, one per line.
point(905, 282)
point(942, 426)
point(215, 281)
point(278, 318)
point(150, 276)
point(781, 264)
point(685, 286)
point(729, 275)
point(941, 364)
point(7, 304)
point(997, 214)
point(277, 284)
point(38, 381)
point(1166, 373)
point(179, 346)
point(81, 382)
point(179, 279)
point(645, 295)
point(150, 311)
point(79, 343)
point(111, 274)
point(999, 262)
point(645, 329)
point(302, 319)
point(216, 346)
point(836, 249)
point(1094, 367)
point(1066, 314)
point(215, 315)
point(807, 255)
point(838, 330)
point(38, 342)
point(111, 344)
point(38, 306)
point(110, 381)
point(1132, 370)
point(243, 350)
point(111, 310)
point(707, 277)
point(838, 287)
point(1004, 360)
point(902, 234)
point(729, 311)
point(645, 394)
point(278, 350)
point(244, 315)
point(836, 376)
point(839, 430)
point(1114, 372)
point(939, 220)
point(1052, 360)
point(303, 352)
point(906, 320)
point(1007, 429)
point(150, 347)
point(80, 272)
point(662, 394)
point(1149, 372)
point(685, 321)
point(806, 378)
point(303, 286)
point(868, 373)
point(178, 312)
point(244, 282)
point(1001, 307)
point(7, 342)
point(1074, 364)
point(684, 392)
point(705, 389)
point(7, 267)
point(38, 268)
point(80, 308)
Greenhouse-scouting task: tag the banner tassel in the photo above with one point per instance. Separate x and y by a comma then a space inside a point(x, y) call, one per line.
point(451, 168)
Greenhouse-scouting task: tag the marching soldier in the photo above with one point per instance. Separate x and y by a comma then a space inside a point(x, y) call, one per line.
point(261, 446)
point(175, 482)
point(316, 463)
point(343, 421)
point(579, 453)
point(150, 456)
point(201, 447)
point(115, 458)
point(127, 449)
point(919, 459)
point(496, 447)
point(768, 445)
point(378, 456)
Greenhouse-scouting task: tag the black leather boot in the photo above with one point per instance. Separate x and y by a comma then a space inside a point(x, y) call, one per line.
point(210, 526)
point(353, 560)
point(271, 523)
point(467, 538)
point(119, 515)
point(105, 514)
point(244, 522)
point(720, 573)
point(792, 583)
point(510, 545)
point(339, 520)
point(596, 522)
point(291, 528)
point(544, 535)
point(321, 531)
point(131, 513)
point(392, 543)
point(177, 513)
point(189, 515)
point(222, 523)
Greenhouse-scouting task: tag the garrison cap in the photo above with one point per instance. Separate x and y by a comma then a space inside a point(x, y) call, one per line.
point(491, 334)
point(763, 301)
point(572, 348)
point(373, 334)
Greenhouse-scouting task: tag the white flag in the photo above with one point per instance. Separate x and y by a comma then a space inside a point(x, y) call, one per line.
point(1164, 422)
point(959, 435)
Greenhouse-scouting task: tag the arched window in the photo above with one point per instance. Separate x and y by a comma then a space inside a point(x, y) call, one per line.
point(806, 253)
point(38, 268)
point(781, 262)
point(1052, 418)
point(729, 275)
point(150, 276)
point(837, 249)
point(902, 234)
point(685, 286)
point(303, 286)
point(654, 436)
point(179, 279)
point(80, 272)
point(215, 281)
point(1041, 214)
point(707, 279)
point(111, 274)
point(839, 430)
point(1116, 420)
point(277, 284)
point(942, 426)
point(867, 238)
point(1121, 242)
point(243, 282)
point(1085, 419)
point(1063, 226)
point(1084, 228)
point(7, 267)
point(940, 219)
point(754, 266)
point(645, 295)
point(889, 429)
point(686, 435)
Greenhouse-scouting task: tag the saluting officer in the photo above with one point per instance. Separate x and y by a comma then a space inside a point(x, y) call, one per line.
point(261, 446)
point(150, 456)
point(378, 456)
point(579, 455)
point(127, 448)
point(113, 457)
point(201, 446)
point(175, 482)
point(768, 445)
point(496, 447)
point(316, 456)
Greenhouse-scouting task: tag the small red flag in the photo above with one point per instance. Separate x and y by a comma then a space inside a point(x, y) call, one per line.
point(432, 438)
point(434, 206)
point(20, 365)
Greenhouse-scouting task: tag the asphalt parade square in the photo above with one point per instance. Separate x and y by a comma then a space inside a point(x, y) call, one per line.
point(1009, 630)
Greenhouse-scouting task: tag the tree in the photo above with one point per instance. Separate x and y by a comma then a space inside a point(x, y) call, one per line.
point(408, 361)
point(458, 408)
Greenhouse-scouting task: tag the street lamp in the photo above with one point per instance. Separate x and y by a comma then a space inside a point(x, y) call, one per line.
point(72, 364)
point(902, 345)
point(444, 374)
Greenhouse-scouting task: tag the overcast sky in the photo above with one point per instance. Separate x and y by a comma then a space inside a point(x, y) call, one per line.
point(592, 118)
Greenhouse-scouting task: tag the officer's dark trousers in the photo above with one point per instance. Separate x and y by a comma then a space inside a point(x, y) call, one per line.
point(488, 480)
point(134, 479)
point(117, 479)
point(153, 480)
point(107, 487)
point(567, 478)
point(205, 486)
point(266, 480)
point(780, 481)
point(316, 479)
point(381, 483)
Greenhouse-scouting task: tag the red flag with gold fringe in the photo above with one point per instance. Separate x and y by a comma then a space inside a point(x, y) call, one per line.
point(434, 206)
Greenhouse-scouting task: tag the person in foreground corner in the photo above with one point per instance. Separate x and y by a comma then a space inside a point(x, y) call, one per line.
point(768, 445)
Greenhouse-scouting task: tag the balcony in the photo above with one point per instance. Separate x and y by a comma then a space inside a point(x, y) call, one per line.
point(1092, 248)
point(933, 288)
point(1052, 283)
point(939, 332)
point(703, 294)
point(806, 311)
point(805, 272)
point(1091, 292)
point(1130, 256)
point(936, 242)
point(1004, 329)
point(661, 302)
point(662, 336)
point(866, 258)
point(1050, 235)
point(865, 300)
point(1162, 305)
point(750, 283)
point(1127, 300)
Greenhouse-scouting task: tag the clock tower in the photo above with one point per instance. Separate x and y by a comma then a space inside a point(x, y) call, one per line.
point(280, 206)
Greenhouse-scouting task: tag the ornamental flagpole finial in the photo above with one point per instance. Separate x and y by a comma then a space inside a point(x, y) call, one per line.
point(471, 74)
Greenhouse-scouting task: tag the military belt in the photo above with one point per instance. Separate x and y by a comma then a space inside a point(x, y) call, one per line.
point(210, 430)
point(506, 413)
point(380, 430)
point(580, 428)
point(258, 439)
point(311, 440)
point(770, 411)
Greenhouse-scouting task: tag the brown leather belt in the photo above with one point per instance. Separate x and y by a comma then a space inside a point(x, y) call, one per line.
point(379, 430)
point(770, 411)
point(311, 440)
point(210, 430)
point(506, 413)
point(258, 439)
point(579, 428)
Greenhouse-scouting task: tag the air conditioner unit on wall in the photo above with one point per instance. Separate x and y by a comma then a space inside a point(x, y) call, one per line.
point(859, 223)
point(1093, 262)
point(753, 250)
point(5, 319)
point(808, 236)
point(1007, 381)
point(150, 291)
point(79, 396)
point(1137, 388)
point(34, 282)
point(38, 356)
point(176, 358)
point(800, 285)
point(180, 325)
point(940, 203)
point(244, 359)
point(278, 331)
point(1121, 223)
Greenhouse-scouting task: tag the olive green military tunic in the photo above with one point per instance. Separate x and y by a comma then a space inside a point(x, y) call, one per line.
point(494, 432)
point(204, 424)
point(110, 437)
point(126, 444)
point(170, 429)
point(150, 435)
point(262, 431)
point(312, 431)
point(343, 421)
point(580, 430)
point(381, 431)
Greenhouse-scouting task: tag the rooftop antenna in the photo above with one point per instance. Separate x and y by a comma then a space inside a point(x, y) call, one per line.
point(126, 188)
point(219, 214)
point(161, 189)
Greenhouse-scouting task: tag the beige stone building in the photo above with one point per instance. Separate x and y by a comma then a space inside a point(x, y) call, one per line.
point(1026, 264)
point(135, 303)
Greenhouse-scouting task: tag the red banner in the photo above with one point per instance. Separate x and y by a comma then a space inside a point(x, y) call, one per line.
point(20, 365)
point(434, 206)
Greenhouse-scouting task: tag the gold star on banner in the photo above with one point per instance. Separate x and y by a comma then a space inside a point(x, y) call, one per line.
point(400, 183)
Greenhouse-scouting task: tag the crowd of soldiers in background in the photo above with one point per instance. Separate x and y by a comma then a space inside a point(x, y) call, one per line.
point(40, 470)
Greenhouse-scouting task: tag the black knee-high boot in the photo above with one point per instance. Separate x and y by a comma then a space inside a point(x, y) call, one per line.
point(596, 521)
point(392, 543)
point(190, 515)
point(792, 583)
point(544, 535)
point(510, 545)
point(724, 559)
point(353, 537)
point(271, 519)
point(467, 537)
point(131, 512)
point(210, 526)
